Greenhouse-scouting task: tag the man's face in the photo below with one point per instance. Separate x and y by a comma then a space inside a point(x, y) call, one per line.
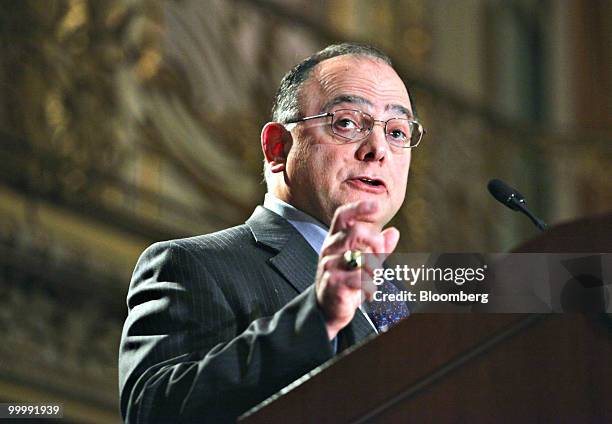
point(322, 171)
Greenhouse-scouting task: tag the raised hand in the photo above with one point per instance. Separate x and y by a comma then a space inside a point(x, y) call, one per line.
point(340, 289)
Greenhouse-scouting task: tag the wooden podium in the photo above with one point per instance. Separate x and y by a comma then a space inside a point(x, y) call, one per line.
point(465, 368)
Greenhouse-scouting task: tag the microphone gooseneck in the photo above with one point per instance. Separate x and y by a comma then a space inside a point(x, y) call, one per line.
point(514, 200)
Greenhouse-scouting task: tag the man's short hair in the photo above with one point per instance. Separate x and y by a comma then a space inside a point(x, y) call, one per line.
point(286, 105)
point(286, 102)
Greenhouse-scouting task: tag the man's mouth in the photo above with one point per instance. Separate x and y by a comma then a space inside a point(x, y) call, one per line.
point(369, 183)
point(372, 182)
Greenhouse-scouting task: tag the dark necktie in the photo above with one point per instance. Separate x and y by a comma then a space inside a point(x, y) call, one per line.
point(385, 314)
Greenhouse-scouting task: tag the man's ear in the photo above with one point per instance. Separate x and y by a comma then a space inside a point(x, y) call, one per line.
point(275, 140)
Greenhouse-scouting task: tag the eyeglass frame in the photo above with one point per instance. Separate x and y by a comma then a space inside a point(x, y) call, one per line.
point(374, 121)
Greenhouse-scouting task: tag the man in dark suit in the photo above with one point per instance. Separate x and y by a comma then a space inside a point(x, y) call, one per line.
point(219, 322)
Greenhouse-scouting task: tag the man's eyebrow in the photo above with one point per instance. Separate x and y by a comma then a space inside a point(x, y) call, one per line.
point(400, 109)
point(345, 99)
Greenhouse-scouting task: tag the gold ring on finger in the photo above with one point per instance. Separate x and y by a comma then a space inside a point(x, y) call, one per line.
point(353, 259)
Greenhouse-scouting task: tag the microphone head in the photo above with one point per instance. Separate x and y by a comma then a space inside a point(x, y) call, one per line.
point(505, 194)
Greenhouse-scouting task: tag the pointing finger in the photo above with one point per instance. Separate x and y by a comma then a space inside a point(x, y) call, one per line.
point(346, 214)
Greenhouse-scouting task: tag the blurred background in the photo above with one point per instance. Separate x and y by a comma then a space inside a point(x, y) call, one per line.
point(124, 122)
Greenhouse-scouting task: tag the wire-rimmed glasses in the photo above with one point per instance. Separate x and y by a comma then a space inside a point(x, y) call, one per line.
point(354, 125)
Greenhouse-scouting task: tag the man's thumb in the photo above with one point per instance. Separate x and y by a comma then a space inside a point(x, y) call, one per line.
point(391, 236)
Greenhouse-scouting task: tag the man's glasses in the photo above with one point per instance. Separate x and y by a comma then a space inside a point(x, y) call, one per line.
point(354, 125)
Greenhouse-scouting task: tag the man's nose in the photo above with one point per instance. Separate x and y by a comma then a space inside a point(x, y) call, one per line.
point(374, 147)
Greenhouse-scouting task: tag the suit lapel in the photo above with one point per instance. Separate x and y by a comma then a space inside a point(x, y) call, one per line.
point(296, 260)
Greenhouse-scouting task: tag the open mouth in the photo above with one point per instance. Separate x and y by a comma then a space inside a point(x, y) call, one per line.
point(371, 182)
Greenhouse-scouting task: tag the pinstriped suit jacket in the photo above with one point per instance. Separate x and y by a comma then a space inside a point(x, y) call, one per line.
point(217, 323)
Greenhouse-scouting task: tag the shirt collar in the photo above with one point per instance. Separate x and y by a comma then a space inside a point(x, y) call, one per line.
point(312, 230)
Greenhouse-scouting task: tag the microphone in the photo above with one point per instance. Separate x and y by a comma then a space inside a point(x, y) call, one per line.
point(511, 198)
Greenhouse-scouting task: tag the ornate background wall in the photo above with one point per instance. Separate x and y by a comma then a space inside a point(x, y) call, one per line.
point(126, 122)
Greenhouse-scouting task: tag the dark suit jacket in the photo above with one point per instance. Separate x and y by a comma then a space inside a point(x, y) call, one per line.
point(217, 323)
